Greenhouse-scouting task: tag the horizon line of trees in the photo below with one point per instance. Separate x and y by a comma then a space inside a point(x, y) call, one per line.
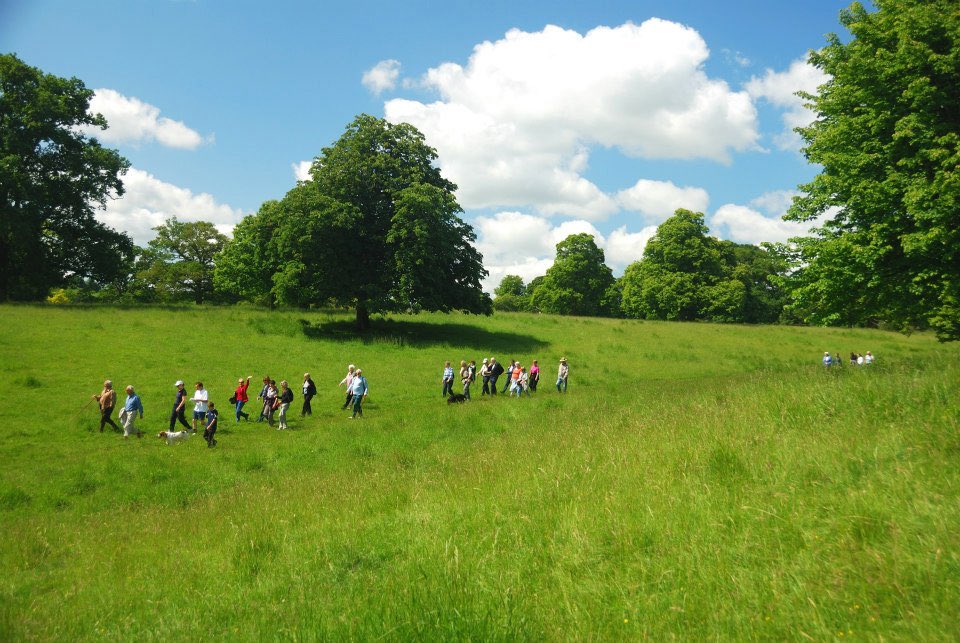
point(377, 226)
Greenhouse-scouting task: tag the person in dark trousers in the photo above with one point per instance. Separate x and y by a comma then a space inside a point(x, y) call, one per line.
point(534, 376)
point(211, 429)
point(360, 389)
point(496, 370)
point(107, 400)
point(263, 398)
point(485, 377)
point(447, 380)
point(179, 404)
point(509, 382)
point(309, 390)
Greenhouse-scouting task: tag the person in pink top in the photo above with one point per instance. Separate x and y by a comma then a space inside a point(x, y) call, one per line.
point(534, 376)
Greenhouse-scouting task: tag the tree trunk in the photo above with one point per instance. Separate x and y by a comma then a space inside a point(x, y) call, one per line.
point(363, 317)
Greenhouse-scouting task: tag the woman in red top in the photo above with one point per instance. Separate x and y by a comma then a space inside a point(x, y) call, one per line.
point(241, 396)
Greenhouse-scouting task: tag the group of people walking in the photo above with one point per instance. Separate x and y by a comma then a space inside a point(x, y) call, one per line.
point(519, 379)
point(856, 359)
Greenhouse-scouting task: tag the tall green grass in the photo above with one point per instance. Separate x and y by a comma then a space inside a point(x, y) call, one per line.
point(697, 481)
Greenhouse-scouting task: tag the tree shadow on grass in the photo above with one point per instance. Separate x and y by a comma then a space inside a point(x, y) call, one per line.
point(421, 335)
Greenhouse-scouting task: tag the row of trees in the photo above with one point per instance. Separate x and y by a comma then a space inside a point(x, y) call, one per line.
point(684, 275)
point(377, 226)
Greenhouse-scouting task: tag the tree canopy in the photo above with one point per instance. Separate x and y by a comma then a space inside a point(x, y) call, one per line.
point(887, 136)
point(179, 262)
point(52, 176)
point(376, 227)
point(578, 282)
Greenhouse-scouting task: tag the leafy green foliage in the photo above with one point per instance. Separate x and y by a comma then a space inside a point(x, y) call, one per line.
point(178, 263)
point(51, 177)
point(686, 275)
point(888, 139)
point(511, 295)
point(578, 281)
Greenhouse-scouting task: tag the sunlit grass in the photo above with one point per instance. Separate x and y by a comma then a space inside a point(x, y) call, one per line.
point(697, 481)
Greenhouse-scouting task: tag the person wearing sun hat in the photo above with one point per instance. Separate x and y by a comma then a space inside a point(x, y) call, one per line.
point(563, 373)
point(179, 404)
point(827, 360)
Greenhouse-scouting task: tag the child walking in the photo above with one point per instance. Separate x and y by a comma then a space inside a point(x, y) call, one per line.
point(211, 429)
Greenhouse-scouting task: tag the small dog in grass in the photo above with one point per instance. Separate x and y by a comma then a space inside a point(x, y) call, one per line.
point(173, 437)
point(456, 398)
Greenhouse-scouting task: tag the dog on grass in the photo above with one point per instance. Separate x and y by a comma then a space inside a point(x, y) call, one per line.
point(173, 437)
point(456, 398)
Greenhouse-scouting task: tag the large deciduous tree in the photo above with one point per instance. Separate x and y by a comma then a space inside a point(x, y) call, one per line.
point(52, 176)
point(887, 136)
point(376, 227)
point(179, 262)
point(578, 282)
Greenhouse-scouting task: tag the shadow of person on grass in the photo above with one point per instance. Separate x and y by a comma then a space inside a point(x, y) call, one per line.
point(421, 335)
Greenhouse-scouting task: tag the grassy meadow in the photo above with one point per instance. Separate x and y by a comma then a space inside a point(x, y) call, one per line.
point(696, 482)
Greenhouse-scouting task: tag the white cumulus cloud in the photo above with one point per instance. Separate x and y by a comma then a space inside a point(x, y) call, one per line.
point(657, 200)
point(623, 248)
point(780, 88)
point(131, 120)
point(382, 76)
point(148, 202)
point(746, 225)
point(301, 170)
point(513, 128)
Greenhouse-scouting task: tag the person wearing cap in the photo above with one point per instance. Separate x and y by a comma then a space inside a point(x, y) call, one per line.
point(128, 414)
point(563, 373)
point(827, 360)
point(107, 399)
point(240, 397)
point(360, 389)
point(179, 406)
point(200, 399)
point(309, 390)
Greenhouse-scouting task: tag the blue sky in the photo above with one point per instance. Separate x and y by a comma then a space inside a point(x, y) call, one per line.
point(552, 117)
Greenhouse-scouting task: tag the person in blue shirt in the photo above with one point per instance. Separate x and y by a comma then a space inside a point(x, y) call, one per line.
point(360, 389)
point(211, 429)
point(447, 380)
point(128, 415)
point(827, 360)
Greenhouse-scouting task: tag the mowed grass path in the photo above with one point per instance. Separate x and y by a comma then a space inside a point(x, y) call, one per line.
point(697, 481)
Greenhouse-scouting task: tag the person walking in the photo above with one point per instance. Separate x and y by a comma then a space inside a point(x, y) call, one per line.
point(270, 403)
point(128, 414)
point(200, 399)
point(534, 376)
point(107, 399)
point(485, 377)
point(827, 360)
point(515, 379)
point(563, 374)
point(523, 385)
point(263, 398)
point(348, 380)
point(283, 403)
point(496, 370)
point(465, 378)
point(179, 406)
point(868, 358)
point(447, 380)
point(360, 389)
point(210, 430)
point(509, 382)
point(240, 397)
point(309, 390)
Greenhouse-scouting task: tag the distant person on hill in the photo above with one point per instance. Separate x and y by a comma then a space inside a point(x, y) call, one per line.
point(507, 384)
point(447, 380)
point(200, 399)
point(284, 399)
point(465, 378)
point(868, 358)
point(360, 389)
point(496, 370)
point(563, 374)
point(128, 414)
point(853, 359)
point(534, 376)
point(309, 390)
point(270, 403)
point(860, 359)
point(107, 399)
point(827, 360)
point(210, 430)
point(836, 359)
point(348, 380)
point(473, 371)
point(485, 377)
point(179, 408)
point(263, 398)
point(240, 397)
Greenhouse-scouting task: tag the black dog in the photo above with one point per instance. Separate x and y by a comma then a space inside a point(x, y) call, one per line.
point(456, 398)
